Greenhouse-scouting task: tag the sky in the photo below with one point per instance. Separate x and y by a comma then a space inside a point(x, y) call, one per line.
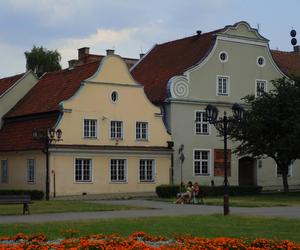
point(130, 27)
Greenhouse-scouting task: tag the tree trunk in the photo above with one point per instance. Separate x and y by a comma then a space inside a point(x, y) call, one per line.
point(285, 181)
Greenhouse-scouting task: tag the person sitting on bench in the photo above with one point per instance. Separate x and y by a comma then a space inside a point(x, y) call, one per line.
point(186, 196)
point(197, 194)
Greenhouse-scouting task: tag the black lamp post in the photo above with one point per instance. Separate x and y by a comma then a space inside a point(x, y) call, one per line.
point(47, 136)
point(222, 124)
point(181, 158)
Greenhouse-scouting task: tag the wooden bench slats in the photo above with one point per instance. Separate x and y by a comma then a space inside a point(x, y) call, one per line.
point(17, 199)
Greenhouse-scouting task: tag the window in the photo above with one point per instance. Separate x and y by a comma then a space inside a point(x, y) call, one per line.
point(201, 123)
point(114, 96)
point(261, 61)
point(90, 128)
point(30, 170)
point(141, 130)
point(118, 171)
point(201, 162)
point(4, 171)
point(223, 85)
point(223, 56)
point(261, 87)
point(146, 170)
point(83, 170)
point(116, 130)
point(279, 173)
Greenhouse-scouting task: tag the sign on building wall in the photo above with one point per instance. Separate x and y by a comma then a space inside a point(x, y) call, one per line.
point(219, 162)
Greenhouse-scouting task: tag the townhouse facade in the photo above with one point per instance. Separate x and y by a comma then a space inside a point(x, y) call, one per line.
point(113, 137)
point(219, 68)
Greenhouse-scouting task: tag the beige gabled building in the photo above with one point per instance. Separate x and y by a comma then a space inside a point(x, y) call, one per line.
point(113, 137)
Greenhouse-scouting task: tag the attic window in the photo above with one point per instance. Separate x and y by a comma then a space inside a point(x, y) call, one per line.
point(261, 61)
point(114, 96)
point(223, 56)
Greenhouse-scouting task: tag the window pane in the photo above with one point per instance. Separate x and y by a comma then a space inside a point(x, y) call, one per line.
point(201, 162)
point(83, 170)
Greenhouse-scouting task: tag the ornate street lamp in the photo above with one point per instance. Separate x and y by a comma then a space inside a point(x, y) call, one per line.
point(47, 136)
point(222, 124)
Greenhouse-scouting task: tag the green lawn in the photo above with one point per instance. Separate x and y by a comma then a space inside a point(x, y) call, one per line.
point(261, 200)
point(208, 226)
point(42, 207)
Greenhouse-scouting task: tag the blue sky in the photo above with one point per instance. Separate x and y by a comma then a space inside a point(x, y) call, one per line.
point(129, 26)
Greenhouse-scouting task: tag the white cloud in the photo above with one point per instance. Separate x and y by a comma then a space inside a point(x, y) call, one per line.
point(101, 40)
point(12, 60)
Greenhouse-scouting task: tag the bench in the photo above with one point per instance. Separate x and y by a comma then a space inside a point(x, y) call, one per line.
point(17, 199)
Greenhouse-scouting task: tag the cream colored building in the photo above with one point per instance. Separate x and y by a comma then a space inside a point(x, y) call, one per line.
point(113, 137)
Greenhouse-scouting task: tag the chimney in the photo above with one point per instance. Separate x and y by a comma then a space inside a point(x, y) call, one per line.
point(82, 52)
point(297, 49)
point(72, 63)
point(141, 55)
point(110, 52)
point(199, 32)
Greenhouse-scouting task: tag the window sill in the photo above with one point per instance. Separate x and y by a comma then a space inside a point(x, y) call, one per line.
point(118, 182)
point(141, 140)
point(83, 182)
point(147, 182)
point(90, 138)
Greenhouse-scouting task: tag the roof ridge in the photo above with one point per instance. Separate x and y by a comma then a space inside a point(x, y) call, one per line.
point(188, 37)
point(7, 77)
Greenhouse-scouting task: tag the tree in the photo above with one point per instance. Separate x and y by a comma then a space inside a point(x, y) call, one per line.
point(41, 60)
point(271, 126)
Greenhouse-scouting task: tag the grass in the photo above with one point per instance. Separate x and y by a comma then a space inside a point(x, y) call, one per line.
point(42, 207)
point(261, 200)
point(207, 226)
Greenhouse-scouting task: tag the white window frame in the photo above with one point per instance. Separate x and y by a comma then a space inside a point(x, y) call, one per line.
point(258, 63)
point(4, 168)
point(90, 169)
point(290, 171)
point(266, 86)
point(153, 171)
point(89, 127)
point(140, 131)
point(117, 96)
point(125, 169)
point(201, 124)
point(122, 130)
point(29, 180)
point(223, 61)
point(209, 165)
point(227, 88)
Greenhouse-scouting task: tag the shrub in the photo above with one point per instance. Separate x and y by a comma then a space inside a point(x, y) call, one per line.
point(34, 194)
point(167, 191)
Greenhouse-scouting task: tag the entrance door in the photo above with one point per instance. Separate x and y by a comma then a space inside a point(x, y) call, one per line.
point(247, 172)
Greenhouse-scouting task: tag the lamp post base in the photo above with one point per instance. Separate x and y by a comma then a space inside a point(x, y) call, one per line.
point(226, 204)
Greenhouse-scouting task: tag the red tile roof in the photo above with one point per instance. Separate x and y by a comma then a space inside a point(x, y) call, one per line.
point(288, 62)
point(7, 82)
point(170, 59)
point(53, 88)
point(17, 134)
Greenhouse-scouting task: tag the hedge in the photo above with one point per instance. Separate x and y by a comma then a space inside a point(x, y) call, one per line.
point(34, 194)
point(170, 191)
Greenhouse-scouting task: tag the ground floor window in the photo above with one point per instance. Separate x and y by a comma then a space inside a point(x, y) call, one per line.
point(4, 171)
point(83, 170)
point(31, 170)
point(118, 170)
point(201, 162)
point(146, 170)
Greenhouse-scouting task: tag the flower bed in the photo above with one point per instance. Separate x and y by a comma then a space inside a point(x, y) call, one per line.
point(140, 240)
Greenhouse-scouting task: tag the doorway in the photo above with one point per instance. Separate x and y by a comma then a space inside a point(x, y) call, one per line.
point(247, 171)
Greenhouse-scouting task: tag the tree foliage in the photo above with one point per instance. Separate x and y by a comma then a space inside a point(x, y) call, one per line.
point(271, 126)
point(41, 60)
